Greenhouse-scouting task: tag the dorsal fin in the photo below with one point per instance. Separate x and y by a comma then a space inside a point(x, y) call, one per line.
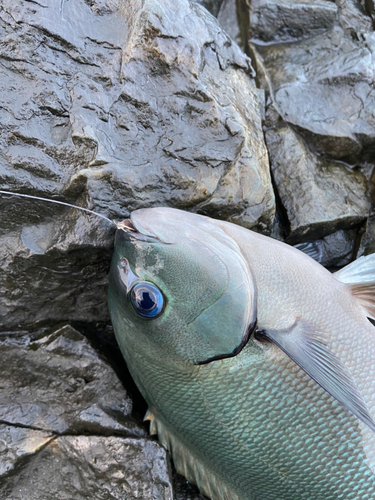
point(365, 294)
point(360, 277)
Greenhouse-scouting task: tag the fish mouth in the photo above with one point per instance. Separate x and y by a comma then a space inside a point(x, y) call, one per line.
point(136, 231)
point(126, 225)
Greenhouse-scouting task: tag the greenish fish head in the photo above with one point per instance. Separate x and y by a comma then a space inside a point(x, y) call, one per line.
point(180, 290)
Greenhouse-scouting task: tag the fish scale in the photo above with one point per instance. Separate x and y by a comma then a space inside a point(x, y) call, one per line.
point(313, 460)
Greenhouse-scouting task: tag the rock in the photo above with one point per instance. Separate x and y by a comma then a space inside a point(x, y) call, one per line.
point(355, 17)
point(288, 20)
point(58, 383)
point(55, 269)
point(226, 13)
point(370, 9)
point(228, 20)
point(367, 243)
point(17, 444)
point(83, 467)
point(319, 196)
point(334, 250)
point(324, 88)
point(338, 248)
point(54, 388)
point(212, 6)
point(115, 109)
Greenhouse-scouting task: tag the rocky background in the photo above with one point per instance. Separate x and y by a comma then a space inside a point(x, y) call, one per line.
point(259, 112)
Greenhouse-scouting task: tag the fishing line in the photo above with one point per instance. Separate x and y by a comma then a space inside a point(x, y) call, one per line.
point(58, 203)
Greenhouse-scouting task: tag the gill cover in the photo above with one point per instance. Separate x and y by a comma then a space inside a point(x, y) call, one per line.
point(209, 294)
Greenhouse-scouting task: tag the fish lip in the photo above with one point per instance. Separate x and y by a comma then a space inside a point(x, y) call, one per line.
point(245, 339)
point(130, 229)
point(136, 231)
point(126, 225)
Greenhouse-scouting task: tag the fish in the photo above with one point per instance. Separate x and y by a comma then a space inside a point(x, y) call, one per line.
point(257, 364)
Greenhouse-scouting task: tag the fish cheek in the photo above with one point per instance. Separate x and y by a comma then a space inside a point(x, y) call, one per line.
point(212, 304)
point(223, 330)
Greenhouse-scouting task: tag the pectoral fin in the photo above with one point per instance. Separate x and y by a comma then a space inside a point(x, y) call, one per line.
point(309, 350)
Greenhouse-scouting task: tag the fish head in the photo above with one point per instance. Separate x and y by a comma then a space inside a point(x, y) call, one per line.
point(180, 290)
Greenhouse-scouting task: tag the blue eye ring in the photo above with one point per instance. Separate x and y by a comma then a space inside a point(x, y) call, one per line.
point(147, 300)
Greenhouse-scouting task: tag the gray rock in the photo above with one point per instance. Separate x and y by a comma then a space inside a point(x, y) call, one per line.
point(355, 15)
point(17, 444)
point(228, 20)
point(82, 467)
point(370, 9)
point(324, 88)
point(319, 196)
point(115, 109)
point(334, 250)
point(288, 20)
point(212, 6)
point(58, 383)
point(55, 269)
point(367, 242)
point(338, 248)
point(226, 13)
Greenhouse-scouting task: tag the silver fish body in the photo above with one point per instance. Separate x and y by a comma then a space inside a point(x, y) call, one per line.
point(239, 415)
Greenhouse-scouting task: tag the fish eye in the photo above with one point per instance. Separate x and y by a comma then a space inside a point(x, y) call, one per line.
point(147, 300)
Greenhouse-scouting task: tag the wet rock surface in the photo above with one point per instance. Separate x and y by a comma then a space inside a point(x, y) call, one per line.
point(323, 87)
point(114, 108)
point(319, 120)
point(17, 446)
point(318, 195)
point(66, 429)
point(59, 383)
point(286, 20)
point(82, 467)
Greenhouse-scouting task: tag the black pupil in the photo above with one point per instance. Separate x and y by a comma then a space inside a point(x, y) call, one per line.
point(146, 300)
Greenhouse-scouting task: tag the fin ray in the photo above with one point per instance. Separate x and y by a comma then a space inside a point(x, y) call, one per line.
point(309, 350)
point(365, 294)
point(360, 277)
point(361, 270)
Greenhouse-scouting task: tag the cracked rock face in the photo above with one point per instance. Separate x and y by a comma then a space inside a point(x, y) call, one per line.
point(115, 109)
point(58, 383)
point(53, 388)
point(17, 446)
point(286, 20)
point(319, 196)
point(323, 87)
point(82, 467)
point(319, 119)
